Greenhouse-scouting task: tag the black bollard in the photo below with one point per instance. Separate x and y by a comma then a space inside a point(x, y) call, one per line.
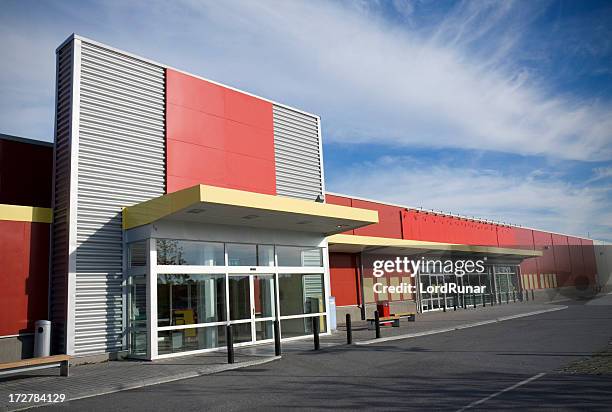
point(315, 332)
point(444, 302)
point(514, 296)
point(507, 297)
point(277, 339)
point(230, 343)
point(532, 295)
point(349, 330)
point(455, 303)
point(484, 301)
point(377, 323)
point(474, 300)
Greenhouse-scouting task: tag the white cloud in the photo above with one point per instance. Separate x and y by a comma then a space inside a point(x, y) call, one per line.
point(371, 81)
point(542, 202)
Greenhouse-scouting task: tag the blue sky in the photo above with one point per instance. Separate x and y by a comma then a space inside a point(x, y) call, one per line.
point(500, 110)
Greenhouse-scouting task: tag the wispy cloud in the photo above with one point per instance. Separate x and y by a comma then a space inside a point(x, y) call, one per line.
point(372, 81)
point(453, 78)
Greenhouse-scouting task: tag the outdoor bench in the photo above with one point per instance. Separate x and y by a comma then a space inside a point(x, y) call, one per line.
point(61, 361)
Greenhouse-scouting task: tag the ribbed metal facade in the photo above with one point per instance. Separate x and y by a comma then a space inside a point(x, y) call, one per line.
point(61, 197)
point(121, 162)
point(297, 153)
point(117, 146)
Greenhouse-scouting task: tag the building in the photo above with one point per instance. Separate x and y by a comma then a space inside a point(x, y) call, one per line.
point(179, 205)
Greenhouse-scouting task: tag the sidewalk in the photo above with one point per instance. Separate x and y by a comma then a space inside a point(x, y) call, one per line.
point(102, 378)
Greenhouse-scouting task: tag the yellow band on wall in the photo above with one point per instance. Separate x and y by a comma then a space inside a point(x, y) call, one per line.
point(26, 214)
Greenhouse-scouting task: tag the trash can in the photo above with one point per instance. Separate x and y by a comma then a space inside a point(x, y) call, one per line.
point(383, 309)
point(332, 313)
point(42, 338)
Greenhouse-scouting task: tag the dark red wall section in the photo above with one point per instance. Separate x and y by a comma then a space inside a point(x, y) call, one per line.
point(24, 258)
point(26, 171)
point(217, 136)
point(343, 276)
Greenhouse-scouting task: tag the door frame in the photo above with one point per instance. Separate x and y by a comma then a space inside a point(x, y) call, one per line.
point(253, 319)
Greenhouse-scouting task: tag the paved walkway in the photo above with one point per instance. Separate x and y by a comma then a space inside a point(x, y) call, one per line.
point(108, 377)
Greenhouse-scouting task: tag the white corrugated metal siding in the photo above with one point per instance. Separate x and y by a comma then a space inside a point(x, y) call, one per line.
point(121, 162)
point(61, 197)
point(297, 154)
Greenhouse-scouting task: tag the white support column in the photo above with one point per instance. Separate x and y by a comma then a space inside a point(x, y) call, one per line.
point(327, 283)
point(152, 300)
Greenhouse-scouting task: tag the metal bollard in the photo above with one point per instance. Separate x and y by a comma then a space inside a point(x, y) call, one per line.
point(484, 301)
point(507, 297)
point(277, 339)
point(532, 295)
point(349, 330)
point(514, 296)
point(474, 300)
point(315, 332)
point(444, 302)
point(229, 337)
point(455, 303)
point(377, 323)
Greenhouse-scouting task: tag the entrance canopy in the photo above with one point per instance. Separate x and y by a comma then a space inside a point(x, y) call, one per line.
point(216, 205)
point(404, 247)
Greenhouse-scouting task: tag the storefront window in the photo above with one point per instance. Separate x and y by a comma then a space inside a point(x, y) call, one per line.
point(183, 340)
point(138, 254)
point(302, 326)
point(299, 256)
point(185, 252)
point(301, 294)
point(241, 255)
point(265, 255)
point(137, 315)
point(190, 299)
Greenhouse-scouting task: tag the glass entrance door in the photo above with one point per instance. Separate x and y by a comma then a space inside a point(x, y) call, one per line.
point(252, 307)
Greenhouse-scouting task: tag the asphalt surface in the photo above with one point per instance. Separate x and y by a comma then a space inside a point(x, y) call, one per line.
point(520, 363)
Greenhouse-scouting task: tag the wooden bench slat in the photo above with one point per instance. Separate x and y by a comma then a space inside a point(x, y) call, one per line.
point(34, 361)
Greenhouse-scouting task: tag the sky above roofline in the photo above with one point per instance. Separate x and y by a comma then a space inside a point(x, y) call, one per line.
point(500, 110)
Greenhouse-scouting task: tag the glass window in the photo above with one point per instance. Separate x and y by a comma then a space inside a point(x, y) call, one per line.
point(137, 315)
point(190, 299)
point(265, 255)
point(138, 254)
point(301, 326)
point(241, 255)
point(185, 252)
point(299, 256)
point(173, 341)
point(301, 294)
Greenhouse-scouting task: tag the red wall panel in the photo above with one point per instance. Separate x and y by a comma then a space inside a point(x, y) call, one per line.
point(563, 265)
point(545, 263)
point(590, 264)
point(343, 277)
point(24, 257)
point(576, 259)
point(217, 136)
point(389, 220)
point(447, 229)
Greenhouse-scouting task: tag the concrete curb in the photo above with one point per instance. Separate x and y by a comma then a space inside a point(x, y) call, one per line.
point(157, 381)
point(452, 328)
